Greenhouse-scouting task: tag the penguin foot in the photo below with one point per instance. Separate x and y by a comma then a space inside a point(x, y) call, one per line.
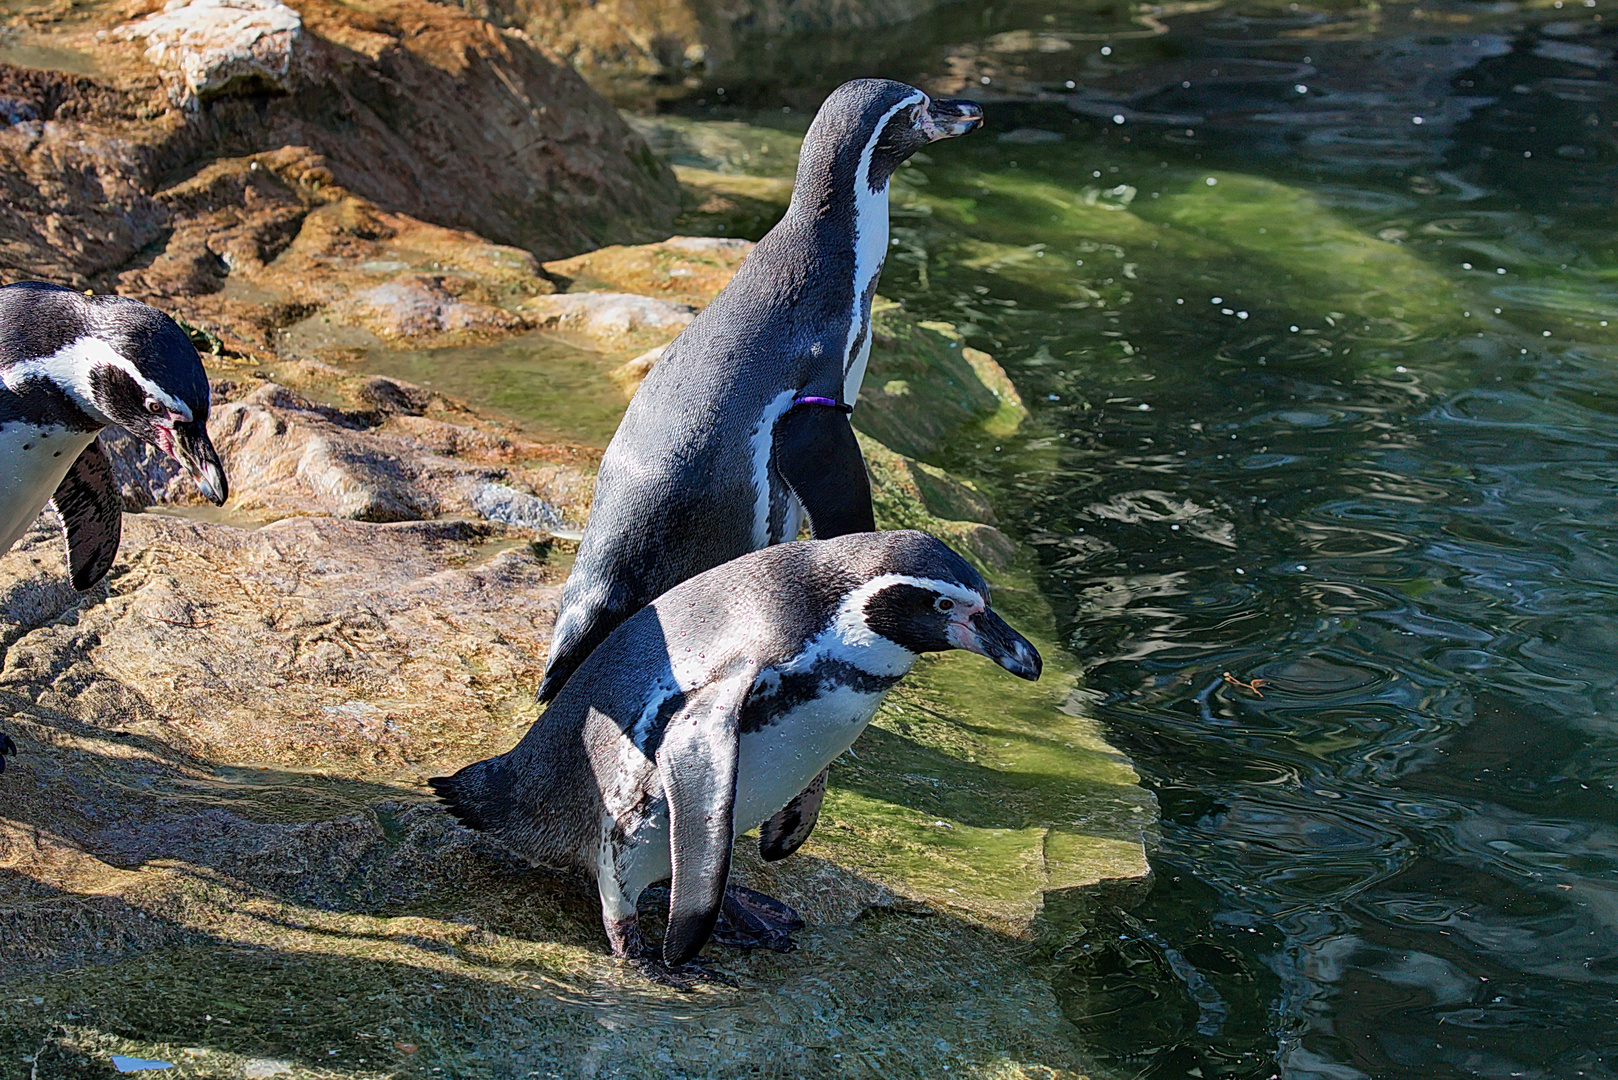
point(6, 747)
point(685, 977)
point(628, 943)
point(748, 919)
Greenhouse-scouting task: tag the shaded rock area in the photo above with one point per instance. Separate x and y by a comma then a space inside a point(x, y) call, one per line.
point(636, 50)
point(216, 847)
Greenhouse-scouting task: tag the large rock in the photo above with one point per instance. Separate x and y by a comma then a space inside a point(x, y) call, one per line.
point(381, 94)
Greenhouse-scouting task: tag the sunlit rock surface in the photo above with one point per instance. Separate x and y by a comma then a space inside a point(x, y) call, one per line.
point(382, 95)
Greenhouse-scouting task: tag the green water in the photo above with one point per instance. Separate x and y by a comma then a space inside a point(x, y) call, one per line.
point(1316, 305)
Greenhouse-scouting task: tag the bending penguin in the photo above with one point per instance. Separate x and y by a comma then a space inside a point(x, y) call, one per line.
point(741, 429)
point(706, 714)
point(70, 365)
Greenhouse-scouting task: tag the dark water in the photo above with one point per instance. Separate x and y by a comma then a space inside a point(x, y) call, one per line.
point(1312, 301)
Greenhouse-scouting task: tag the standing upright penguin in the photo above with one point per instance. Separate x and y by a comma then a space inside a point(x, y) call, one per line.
point(741, 430)
point(70, 365)
point(704, 714)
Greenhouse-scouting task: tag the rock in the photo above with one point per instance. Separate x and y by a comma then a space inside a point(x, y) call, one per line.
point(415, 304)
point(287, 456)
point(146, 476)
point(609, 320)
point(241, 721)
point(208, 48)
point(921, 390)
point(497, 502)
point(219, 790)
point(631, 373)
point(381, 97)
point(686, 270)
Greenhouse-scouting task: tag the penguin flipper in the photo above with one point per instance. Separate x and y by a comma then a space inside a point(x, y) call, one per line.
point(92, 513)
point(819, 458)
point(697, 761)
point(788, 829)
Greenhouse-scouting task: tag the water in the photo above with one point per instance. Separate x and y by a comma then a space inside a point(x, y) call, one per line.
point(1315, 302)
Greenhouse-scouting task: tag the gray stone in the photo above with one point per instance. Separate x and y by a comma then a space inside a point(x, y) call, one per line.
point(507, 505)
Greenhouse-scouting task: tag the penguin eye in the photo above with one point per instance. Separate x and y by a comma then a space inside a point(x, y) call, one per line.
point(944, 603)
point(154, 407)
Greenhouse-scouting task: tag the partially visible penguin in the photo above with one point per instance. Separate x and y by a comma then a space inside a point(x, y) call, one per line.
point(70, 365)
point(741, 429)
point(707, 713)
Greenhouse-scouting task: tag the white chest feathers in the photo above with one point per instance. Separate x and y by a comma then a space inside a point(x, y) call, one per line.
point(33, 460)
point(777, 762)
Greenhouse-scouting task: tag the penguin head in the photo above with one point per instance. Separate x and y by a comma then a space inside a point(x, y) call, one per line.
point(867, 128)
point(121, 362)
point(924, 597)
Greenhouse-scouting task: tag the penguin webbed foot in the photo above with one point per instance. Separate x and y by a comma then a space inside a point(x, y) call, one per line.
point(685, 977)
point(628, 943)
point(6, 747)
point(748, 919)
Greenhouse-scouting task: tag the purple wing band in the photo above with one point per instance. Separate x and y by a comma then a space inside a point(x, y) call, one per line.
point(832, 403)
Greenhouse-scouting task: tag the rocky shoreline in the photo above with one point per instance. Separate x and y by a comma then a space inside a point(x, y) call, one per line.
point(216, 848)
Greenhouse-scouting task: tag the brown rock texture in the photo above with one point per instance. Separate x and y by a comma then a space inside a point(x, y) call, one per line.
point(418, 108)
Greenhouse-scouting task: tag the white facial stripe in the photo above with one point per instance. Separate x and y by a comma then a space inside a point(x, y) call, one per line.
point(870, 249)
point(849, 638)
point(862, 176)
point(69, 368)
point(762, 442)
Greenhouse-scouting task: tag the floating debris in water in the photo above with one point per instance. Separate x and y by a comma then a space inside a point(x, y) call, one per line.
point(1252, 686)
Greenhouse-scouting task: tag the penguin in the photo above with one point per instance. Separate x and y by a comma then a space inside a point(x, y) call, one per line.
point(70, 365)
point(741, 430)
point(708, 713)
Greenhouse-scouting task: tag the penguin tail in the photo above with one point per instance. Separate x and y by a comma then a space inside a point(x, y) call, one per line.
point(465, 795)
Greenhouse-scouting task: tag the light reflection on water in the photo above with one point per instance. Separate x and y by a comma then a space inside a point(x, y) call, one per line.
point(1378, 493)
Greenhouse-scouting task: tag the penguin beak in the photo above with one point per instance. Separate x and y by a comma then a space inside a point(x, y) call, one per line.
point(194, 450)
point(987, 634)
point(947, 119)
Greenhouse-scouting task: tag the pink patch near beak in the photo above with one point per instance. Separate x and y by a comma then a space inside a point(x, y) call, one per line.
point(165, 440)
point(960, 632)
